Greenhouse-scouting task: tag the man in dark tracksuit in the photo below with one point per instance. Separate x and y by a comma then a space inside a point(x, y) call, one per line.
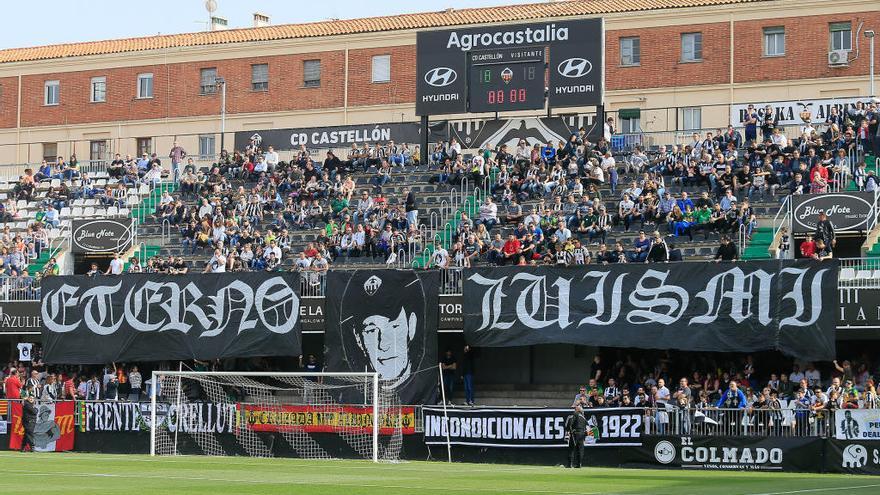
point(29, 421)
point(575, 432)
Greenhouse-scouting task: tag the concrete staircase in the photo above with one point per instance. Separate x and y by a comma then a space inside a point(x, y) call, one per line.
point(550, 395)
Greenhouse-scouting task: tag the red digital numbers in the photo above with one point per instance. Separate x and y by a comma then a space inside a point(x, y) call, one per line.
point(514, 96)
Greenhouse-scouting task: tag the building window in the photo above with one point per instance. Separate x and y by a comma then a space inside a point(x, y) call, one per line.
point(206, 147)
point(630, 51)
point(312, 73)
point(52, 93)
point(98, 151)
point(99, 89)
point(145, 86)
point(50, 152)
point(692, 118)
point(630, 120)
point(774, 41)
point(259, 77)
point(691, 47)
point(381, 68)
point(208, 85)
point(841, 36)
point(144, 145)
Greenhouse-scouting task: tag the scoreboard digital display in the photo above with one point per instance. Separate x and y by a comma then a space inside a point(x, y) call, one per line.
point(506, 79)
point(496, 68)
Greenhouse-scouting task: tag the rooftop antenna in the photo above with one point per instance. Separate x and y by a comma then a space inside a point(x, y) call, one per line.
point(211, 7)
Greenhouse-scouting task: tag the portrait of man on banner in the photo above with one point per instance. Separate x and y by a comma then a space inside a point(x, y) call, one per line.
point(385, 321)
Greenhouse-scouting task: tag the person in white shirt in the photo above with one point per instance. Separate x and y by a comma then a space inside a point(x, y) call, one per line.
point(608, 129)
point(359, 239)
point(303, 263)
point(271, 159)
point(217, 264)
point(563, 234)
point(116, 266)
point(440, 256)
point(778, 138)
point(260, 166)
point(796, 376)
point(489, 213)
point(662, 391)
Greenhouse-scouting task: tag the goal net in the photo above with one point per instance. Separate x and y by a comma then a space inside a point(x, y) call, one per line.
point(307, 415)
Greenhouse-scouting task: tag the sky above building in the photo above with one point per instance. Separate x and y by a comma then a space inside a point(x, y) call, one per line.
point(70, 21)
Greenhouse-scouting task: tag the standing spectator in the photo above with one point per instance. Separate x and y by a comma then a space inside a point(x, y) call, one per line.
point(448, 365)
point(136, 381)
point(412, 209)
point(751, 124)
point(177, 154)
point(29, 422)
point(467, 373)
point(12, 385)
point(49, 392)
point(825, 231)
point(116, 265)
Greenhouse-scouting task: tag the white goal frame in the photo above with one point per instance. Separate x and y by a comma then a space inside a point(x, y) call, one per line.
point(373, 376)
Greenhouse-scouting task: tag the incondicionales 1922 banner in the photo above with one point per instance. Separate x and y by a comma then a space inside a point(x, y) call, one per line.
point(785, 305)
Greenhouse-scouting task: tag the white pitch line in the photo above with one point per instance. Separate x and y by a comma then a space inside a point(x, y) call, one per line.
point(285, 481)
point(359, 464)
point(820, 490)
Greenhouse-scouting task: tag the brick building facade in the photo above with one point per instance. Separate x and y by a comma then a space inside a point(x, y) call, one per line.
point(733, 66)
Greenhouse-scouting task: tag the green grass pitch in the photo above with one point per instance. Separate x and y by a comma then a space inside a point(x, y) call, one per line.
point(79, 473)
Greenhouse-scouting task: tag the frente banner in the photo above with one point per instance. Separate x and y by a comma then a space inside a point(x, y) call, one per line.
point(530, 428)
point(53, 431)
point(90, 320)
point(789, 306)
point(385, 321)
point(326, 419)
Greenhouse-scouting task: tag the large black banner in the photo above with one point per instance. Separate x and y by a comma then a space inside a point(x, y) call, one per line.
point(385, 321)
point(340, 136)
point(169, 317)
point(856, 457)
point(758, 453)
point(746, 307)
point(21, 317)
point(518, 427)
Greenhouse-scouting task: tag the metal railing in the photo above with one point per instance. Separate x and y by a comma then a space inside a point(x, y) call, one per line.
point(786, 421)
point(859, 273)
point(781, 220)
point(19, 289)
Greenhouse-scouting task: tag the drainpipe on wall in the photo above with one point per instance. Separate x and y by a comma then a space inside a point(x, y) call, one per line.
point(18, 123)
point(345, 91)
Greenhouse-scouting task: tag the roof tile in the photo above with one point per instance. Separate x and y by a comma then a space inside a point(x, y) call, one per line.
point(354, 26)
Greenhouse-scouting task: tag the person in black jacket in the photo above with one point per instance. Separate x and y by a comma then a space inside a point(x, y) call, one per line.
point(29, 421)
point(825, 230)
point(726, 251)
point(575, 433)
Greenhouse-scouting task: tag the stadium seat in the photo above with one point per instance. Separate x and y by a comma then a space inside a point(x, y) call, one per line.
point(847, 273)
point(88, 211)
point(65, 212)
point(863, 274)
point(112, 211)
point(76, 212)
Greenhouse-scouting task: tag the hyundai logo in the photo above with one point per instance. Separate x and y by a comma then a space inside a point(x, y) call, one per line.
point(574, 67)
point(441, 76)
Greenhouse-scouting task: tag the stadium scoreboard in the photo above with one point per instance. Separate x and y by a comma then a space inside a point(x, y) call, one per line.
point(498, 68)
point(506, 79)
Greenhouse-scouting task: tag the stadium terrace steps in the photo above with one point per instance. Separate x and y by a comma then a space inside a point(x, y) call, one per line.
point(430, 197)
point(759, 246)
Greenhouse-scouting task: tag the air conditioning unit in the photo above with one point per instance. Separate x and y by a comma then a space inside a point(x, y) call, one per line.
point(838, 57)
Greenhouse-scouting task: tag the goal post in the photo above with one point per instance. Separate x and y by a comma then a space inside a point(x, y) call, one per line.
point(267, 414)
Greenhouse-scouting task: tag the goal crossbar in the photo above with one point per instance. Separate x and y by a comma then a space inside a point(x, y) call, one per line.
point(372, 376)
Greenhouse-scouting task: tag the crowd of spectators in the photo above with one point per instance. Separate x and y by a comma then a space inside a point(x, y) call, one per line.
point(666, 386)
